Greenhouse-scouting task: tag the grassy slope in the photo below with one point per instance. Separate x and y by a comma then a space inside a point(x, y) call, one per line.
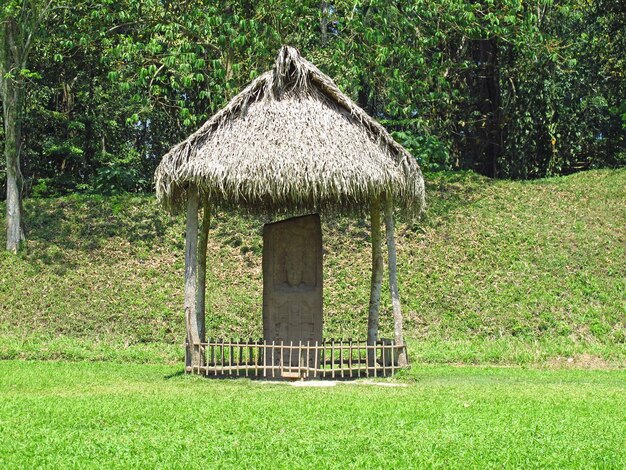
point(496, 272)
point(90, 415)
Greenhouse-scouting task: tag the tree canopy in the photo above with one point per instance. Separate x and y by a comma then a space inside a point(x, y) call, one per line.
point(509, 88)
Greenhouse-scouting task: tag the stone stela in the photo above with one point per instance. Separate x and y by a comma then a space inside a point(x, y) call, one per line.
point(292, 281)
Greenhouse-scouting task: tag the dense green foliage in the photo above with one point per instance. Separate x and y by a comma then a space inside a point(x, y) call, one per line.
point(497, 271)
point(507, 88)
point(63, 415)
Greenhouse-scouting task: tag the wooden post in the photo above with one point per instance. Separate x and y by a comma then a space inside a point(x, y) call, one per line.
point(191, 265)
point(393, 280)
point(376, 283)
point(202, 253)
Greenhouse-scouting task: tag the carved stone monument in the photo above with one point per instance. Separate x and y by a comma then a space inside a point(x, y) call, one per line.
point(292, 280)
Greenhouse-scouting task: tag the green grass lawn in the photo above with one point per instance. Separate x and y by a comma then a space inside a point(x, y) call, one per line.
point(501, 272)
point(94, 415)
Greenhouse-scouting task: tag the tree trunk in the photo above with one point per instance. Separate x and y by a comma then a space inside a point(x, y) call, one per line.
point(14, 181)
point(324, 23)
point(17, 31)
point(377, 280)
point(11, 95)
point(393, 279)
point(202, 254)
point(191, 266)
point(489, 138)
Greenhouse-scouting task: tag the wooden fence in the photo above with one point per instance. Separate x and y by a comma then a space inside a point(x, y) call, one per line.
point(277, 359)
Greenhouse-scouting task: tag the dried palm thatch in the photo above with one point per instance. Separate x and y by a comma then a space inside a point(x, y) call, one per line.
point(291, 141)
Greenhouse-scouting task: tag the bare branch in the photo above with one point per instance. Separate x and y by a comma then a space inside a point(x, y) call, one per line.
point(153, 77)
point(33, 30)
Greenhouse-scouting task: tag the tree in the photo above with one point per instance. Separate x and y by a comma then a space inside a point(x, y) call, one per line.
point(19, 23)
point(508, 88)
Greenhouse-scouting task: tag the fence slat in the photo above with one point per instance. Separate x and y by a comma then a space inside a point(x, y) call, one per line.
point(383, 347)
point(332, 357)
point(350, 356)
point(341, 357)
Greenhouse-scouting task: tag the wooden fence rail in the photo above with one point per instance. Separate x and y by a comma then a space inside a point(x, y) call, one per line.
point(279, 359)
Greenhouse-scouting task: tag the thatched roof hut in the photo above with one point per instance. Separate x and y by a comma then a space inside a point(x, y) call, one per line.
point(291, 141)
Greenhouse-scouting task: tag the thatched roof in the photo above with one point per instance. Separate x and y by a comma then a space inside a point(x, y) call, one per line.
point(291, 141)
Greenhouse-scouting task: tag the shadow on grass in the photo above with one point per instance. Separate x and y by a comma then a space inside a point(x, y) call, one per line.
point(180, 373)
point(64, 231)
point(448, 192)
point(62, 228)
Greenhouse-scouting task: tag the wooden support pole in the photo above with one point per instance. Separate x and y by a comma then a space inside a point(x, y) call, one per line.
point(202, 254)
point(376, 283)
point(393, 280)
point(191, 266)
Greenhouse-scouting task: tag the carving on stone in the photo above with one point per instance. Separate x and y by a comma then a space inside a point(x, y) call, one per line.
point(294, 266)
point(292, 280)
